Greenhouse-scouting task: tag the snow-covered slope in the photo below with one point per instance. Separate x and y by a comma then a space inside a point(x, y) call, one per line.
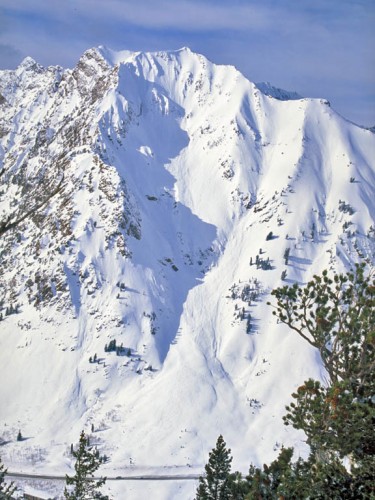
point(167, 174)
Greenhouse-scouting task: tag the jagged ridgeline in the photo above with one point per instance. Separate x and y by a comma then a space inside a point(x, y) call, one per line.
point(149, 203)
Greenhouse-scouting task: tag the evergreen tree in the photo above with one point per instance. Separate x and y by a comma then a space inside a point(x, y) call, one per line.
point(87, 463)
point(309, 478)
point(336, 316)
point(6, 490)
point(238, 486)
point(216, 483)
point(266, 482)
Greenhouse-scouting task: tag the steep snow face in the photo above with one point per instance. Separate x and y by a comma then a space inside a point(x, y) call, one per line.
point(157, 178)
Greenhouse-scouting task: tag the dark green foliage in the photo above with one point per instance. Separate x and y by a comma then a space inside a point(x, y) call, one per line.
point(242, 314)
point(217, 481)
point(269, 236)
point(111, 346)
point(249, 293)
point(19, 436)
point(336, 316)
point(335, 419)
point(346, 208)
point(238, 487)
point(11, 310)
point(264, 483)
point(6, 490)
point(264, 264)
point(286, 255)
point(313, 231)
point(248, 324)
point(201, 493)
point(120, 350)
point(87, 463)
point(312, 478)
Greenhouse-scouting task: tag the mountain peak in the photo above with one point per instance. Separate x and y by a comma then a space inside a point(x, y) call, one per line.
point(114, 57)
point(29, 64)
point(280, 94)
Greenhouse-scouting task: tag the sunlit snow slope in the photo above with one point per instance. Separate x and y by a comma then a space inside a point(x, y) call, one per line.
point(167, 173)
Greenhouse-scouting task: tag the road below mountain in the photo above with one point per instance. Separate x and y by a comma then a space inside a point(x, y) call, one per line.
point(139, 477)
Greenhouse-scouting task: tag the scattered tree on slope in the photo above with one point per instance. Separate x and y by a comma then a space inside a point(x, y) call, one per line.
point(218, 483)
point(88, 461)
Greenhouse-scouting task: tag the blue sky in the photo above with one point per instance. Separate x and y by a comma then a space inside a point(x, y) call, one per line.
point(320, 48)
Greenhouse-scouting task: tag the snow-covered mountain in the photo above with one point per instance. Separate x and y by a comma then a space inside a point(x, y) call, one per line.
point(160, 180)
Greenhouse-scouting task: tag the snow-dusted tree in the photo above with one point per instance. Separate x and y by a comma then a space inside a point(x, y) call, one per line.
point(88, 461)
point(6, 490)
point(216, 483)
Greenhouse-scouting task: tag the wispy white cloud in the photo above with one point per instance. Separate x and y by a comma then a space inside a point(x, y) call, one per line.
point(162, 14)
point(189, 15)
point(320, 48)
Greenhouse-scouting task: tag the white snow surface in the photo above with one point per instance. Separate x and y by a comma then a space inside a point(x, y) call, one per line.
point(174, 172)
